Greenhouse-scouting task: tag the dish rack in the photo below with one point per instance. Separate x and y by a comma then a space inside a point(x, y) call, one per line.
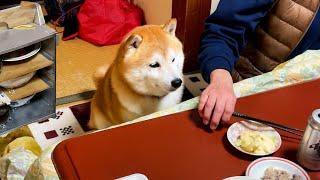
point(40, 105)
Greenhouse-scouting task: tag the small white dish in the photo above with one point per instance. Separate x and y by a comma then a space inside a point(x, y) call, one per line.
point(36, 49)
point(257, 168)
point(17, 82)
point(136, 176)
point(236, 129)
point(240, 178)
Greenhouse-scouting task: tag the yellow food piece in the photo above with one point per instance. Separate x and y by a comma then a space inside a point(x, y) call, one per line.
point(25, 26)
point(256, 142)
point(25, 142)
point(11, 136)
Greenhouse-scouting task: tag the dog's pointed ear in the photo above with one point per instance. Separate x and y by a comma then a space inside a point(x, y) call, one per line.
point(171, 26)
point(133, 41)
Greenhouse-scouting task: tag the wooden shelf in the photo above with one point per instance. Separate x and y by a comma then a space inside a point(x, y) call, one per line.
point(43, 105)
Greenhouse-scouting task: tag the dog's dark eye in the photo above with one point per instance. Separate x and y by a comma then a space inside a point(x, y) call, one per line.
point(173, 59)
point(154, 65)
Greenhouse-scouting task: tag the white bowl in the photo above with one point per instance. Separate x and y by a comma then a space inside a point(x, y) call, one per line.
point(36, 48)
point(136, 176)
point(257, 168)
point(236, 129)
point(17, 82)
point(21, 102)
point(240, 178)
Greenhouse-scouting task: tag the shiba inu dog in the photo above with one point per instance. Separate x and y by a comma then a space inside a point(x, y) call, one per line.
point(145, 77)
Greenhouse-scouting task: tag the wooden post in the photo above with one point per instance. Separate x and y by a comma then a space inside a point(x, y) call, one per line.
point(190, 15)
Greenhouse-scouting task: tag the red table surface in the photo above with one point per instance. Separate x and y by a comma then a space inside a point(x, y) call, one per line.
point(178, 147)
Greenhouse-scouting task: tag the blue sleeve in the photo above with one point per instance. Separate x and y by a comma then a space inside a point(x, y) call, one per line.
point(226, 33)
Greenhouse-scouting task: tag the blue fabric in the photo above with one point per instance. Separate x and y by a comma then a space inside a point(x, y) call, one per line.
point(227, 31)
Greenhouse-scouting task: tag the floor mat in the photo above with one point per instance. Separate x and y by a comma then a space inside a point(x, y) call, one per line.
point(77, 60)
point(195, 83)
point(54, 130)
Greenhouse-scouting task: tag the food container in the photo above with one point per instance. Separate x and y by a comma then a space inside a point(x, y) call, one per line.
point(266, 133)
point(309, 150)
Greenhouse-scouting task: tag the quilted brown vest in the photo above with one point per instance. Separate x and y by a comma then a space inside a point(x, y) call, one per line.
point(276, 37)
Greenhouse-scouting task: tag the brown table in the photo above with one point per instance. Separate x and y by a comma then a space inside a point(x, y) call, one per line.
point(178, 147)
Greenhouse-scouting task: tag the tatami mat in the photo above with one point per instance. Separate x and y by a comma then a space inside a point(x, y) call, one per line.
point(77, 60)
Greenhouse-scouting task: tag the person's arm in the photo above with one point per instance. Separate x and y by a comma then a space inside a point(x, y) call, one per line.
point(226, 34)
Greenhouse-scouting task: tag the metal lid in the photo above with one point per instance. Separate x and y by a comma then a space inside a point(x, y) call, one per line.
point(316, 115)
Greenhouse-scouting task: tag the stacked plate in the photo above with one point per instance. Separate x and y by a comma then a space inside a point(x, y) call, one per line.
point(19, 56)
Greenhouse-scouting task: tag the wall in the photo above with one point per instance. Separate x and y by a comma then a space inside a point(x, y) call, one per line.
point(156, 11)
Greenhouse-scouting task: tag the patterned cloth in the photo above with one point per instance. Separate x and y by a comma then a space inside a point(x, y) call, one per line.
point(304, 67)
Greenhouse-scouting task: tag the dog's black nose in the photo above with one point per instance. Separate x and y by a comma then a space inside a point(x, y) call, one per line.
point(176, 83)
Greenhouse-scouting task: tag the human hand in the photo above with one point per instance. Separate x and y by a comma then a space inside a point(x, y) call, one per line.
point(218, 100)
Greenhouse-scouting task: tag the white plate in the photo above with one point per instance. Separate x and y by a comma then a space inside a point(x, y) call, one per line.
point(36, 49)
point(136, 176)
point(17, 82)
point(236, 129)
point(21, 102)
point(240, 178)
point(256, 168)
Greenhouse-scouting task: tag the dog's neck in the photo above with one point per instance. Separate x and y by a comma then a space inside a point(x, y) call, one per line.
point(130, 99)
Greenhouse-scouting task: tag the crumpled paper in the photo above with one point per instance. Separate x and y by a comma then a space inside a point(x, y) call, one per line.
point(43, 167)
point(15, 164)
point(18, 151)
point(25, 142)
point(11, 136)
point(14, 17)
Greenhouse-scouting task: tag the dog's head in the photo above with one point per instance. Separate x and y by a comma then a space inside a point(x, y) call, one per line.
point(151, 59)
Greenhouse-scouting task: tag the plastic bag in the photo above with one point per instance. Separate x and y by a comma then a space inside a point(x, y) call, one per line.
point(106, 22)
